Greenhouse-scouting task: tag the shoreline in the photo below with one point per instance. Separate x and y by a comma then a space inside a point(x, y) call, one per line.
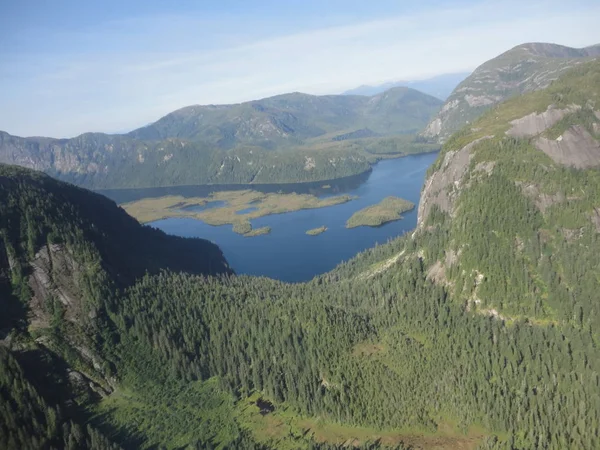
point(381, 157)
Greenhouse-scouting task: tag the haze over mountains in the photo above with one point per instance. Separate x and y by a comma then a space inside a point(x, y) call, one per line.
point(525, 68)
point(292, 137)
point(479, 330)
point(260, 141)
point(292, 118)
point(440, 86)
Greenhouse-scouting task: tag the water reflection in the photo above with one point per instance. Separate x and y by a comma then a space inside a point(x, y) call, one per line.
point(319, 188)
point(288, 253)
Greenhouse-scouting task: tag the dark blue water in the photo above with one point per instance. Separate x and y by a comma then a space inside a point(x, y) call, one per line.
point(289, 254)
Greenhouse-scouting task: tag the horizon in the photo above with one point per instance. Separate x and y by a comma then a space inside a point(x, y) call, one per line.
point(72, 68)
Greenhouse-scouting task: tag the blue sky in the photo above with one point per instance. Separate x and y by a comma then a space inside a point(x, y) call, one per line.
point(73, 66)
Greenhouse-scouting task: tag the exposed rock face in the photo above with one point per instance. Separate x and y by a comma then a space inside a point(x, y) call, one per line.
point(54, 275)
point(542, 201)
point(596, 218)
point(84, 154)
point(575, 148)
point(525, 68)
point(534, 124)
point(443, 186)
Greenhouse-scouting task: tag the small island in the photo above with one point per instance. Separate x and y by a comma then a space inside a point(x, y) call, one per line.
point(387, 210)
point(258, 231)
point(229, 207)
point(316, 231)
point(242, 227)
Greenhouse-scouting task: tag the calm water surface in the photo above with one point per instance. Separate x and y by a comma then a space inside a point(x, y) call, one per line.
point(288, 253)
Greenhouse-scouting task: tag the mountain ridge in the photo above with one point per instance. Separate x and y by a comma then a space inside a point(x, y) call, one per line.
point(295, 116)
point(524, 68)
point(466, 334)
point(264, 141)
point(439, 86)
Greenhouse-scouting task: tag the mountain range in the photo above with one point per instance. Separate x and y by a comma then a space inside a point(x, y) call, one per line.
point(440, 86)
point(288, 138)
point(479, 330)
point(525, 68)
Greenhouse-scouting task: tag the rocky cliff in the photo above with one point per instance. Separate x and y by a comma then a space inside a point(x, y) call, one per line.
point(522, 178)
point(525, 68)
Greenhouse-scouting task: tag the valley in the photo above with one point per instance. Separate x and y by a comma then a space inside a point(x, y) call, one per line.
point(290, 138)
point(438, 300)
point(288, 253)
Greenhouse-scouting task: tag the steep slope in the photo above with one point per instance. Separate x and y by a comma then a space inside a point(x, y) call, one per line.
point(525, 68)
point(292, 118)
point(107, 161)
point(288, 138)
point(479, 331)
point(528, 169)
point(65, 254)
point(440, 86)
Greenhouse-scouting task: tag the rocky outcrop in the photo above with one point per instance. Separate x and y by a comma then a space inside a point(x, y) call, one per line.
point(525, 68)
point(576, 147)
point(54, 277)
point(542, 200)
point(534, 123)
point(443, 186)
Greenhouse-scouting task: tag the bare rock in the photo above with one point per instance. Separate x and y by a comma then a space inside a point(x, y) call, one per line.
point(575, 148)
point(481, 100)
point(542, 200)
point(595, 216)
point(54, 275)
point(486, 166)
point(437, 273)
point(434, 128)
point(534, 124)
point(442, 187)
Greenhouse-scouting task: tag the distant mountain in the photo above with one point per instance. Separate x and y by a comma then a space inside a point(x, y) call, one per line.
point(480, 329)
point(290, 119)
point(440, 86)
point(525, 68)
point(288, 138)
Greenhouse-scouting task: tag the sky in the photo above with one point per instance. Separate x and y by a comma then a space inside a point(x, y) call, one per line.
point(67, 67)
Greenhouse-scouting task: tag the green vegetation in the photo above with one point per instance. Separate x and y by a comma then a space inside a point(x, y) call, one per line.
point(525, 68)
point(258, 231)
point(293, 118)
point(387, 210)
point(481, 330)
point(315, 231)
point(290, 138)
point(232, 211)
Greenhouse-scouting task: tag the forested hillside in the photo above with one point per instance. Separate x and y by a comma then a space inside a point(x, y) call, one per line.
point(290, 138)
point(478, 331)
point(525, 68)
point(292, 118)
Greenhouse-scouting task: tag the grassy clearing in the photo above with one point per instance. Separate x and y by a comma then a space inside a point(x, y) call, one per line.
point(389, 209)
point(177, 416)
point(316, 231)
point(283, 429)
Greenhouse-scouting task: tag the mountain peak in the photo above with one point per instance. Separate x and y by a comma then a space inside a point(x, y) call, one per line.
point(524, 68)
